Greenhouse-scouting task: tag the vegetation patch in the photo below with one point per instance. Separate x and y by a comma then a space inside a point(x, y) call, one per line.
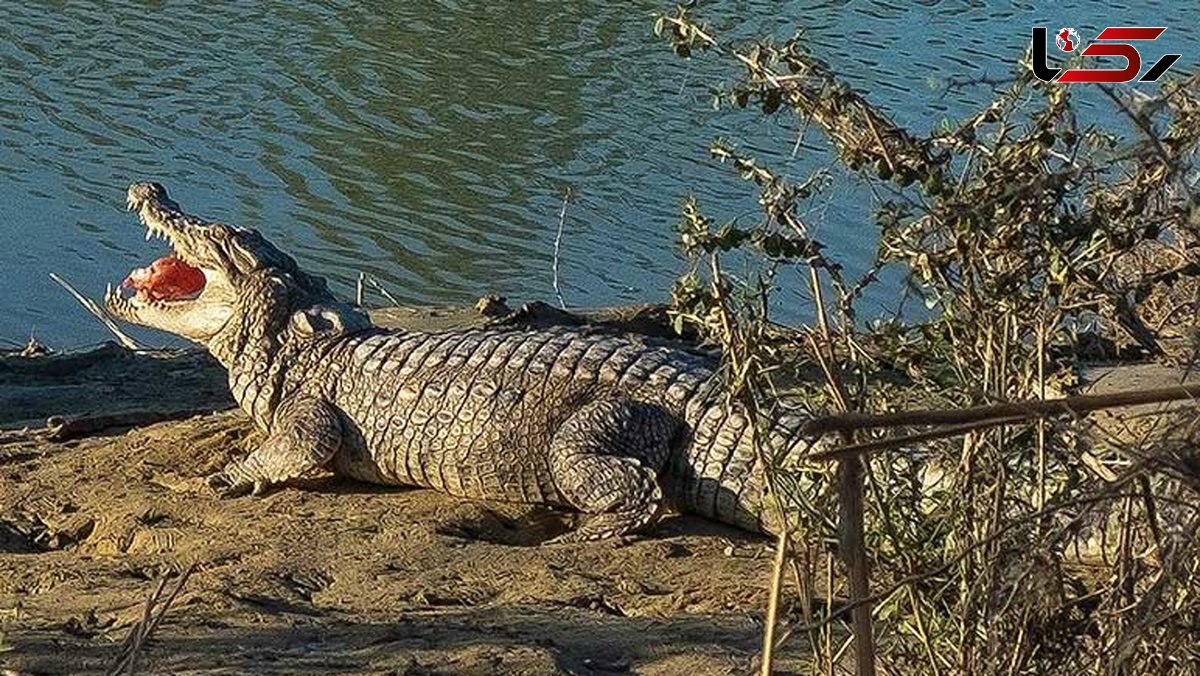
point(1036, 242)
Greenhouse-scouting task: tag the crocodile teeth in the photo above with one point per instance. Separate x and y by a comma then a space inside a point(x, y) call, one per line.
point(153, 231)
point(114, 301)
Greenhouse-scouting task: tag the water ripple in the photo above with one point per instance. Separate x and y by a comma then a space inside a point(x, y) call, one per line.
point(430, 143)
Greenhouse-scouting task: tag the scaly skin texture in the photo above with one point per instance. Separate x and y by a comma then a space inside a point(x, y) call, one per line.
point(605, 425)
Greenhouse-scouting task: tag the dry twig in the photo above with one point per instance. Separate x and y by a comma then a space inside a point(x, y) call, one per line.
point(152, 614)
point(99, 313)
point(562, 219)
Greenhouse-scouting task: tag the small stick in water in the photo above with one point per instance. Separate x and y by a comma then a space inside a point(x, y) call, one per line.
point(562, 219)
point(379, 287)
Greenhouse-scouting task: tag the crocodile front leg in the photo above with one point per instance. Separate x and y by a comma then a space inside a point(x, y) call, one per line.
point(604, 460)
point(304, 434)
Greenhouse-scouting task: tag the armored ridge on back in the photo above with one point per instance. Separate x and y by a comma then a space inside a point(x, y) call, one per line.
point(605, 425)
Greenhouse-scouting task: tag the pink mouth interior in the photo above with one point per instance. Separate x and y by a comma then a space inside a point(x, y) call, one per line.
point(167, 278)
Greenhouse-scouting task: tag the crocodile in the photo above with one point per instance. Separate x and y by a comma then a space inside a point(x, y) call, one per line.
point(609, 426)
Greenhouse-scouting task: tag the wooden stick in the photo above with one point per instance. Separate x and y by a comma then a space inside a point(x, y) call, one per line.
point(851, 525)
point(766, 668)
point(562, 219)
point(62, 428)
point(141, 631)
point(964, 420)
point(1001, 413)
point(851, 450)
point(854, 554)
point(384, 292)
point(99, 313)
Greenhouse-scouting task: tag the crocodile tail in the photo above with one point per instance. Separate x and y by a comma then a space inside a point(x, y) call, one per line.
point(720, 475)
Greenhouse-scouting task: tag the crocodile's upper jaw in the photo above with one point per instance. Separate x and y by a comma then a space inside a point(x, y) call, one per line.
point(170, 294)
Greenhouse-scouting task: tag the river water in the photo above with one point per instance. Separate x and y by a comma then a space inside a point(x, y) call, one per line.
point(429, 144)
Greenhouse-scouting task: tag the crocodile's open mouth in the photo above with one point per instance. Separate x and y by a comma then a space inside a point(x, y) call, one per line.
point(169, 279)
point(189, 291)
point(166, 279)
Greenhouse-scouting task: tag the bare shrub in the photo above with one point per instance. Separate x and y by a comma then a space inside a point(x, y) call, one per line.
point(1034, 240)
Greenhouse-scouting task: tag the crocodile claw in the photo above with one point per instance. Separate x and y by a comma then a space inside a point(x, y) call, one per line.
point(227, 487)
point(574, 537)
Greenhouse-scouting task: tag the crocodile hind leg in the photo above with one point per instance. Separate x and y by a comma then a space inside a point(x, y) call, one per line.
point(604, 460)
point(304, 434)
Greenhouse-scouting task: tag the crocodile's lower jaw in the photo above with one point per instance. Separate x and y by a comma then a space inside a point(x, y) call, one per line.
point(198, 316)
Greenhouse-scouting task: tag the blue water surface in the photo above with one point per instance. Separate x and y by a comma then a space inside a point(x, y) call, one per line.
point(429, 144)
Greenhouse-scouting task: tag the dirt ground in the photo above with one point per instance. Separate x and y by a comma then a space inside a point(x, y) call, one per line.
point(329, 576)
